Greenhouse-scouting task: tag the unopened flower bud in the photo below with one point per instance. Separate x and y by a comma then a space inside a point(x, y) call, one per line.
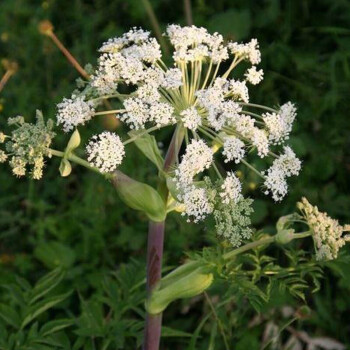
point(45, 27)
point(65, 168)
point(284, 236)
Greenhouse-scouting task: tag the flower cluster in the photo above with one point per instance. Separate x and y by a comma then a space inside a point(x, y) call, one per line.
point(203, 99)
point(284, 166)
point(73, 112)
point(105, 151)
point(326, 232)
point(28, 144)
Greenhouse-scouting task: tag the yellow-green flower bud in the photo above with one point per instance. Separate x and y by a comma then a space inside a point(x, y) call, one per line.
point(65, 168)
point(284, 221)
point(284, 236)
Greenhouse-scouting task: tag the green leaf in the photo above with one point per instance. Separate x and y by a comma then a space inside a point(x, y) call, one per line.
point(171, 332)
point(54, 254)
point(10, 315)
point(40, 307)
point(147, 144)
point(46, 284)
point(55, 326)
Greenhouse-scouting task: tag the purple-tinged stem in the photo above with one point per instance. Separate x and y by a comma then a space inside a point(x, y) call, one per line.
point(155, 247)
point(154, 272)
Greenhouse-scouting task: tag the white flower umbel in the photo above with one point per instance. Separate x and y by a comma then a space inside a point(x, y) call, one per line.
point(205, 100)
point(191, 118)
point(275, 183)
point(197, 158)
point(73, 112)
point(105, 151)
point(197, 204)
point(282, 167)
point(254, 76)
point(249, 51)
point(162, 114)
point(239, 90)
point(288, 161)
point(137, 113)
point(260, 140)
point(231, 189)
point(280, 124)
point(172, 79)
point(233, 149)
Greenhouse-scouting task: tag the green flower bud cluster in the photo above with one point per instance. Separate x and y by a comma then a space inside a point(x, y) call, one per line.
point(326, 232)
point(28, 145)
point(232, 219)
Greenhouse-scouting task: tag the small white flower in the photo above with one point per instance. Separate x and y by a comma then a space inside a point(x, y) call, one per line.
point(276, 127)
point(231, 189)
point(276, 183)
point(73, 112)
point(254, 76)
point(288, 161)
point(260, 141)
point(211, 98)
point(113, 45)
point(280, 125)
point(137, 113)
point(249, 51)
point(136, 35)
point(105, 151)
point(162, 114)
point(244, 125)
point(197, 158)
point(233, 149)
point(154, 76)
point(148, 93)
point(148, 51)
point(197, 204)
point(282, 167)
point(172, 79)
point(288, 112)
point(191, 118)
point(239, 90)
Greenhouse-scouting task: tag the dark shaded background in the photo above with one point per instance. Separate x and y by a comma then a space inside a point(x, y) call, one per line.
point(79, 223)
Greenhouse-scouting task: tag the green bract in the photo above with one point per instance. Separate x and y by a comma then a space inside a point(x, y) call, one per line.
point(186, 284)
point(139, 196)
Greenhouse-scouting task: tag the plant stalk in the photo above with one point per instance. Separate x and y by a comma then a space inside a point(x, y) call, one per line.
point(155, 248)
point(154, 267)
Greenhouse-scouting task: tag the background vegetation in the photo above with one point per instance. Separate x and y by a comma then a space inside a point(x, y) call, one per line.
point(93, 248)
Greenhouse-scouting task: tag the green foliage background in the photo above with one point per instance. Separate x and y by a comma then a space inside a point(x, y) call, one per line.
point(79, 230)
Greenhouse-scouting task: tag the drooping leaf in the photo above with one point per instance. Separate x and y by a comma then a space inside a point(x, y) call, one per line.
point(147, 144)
